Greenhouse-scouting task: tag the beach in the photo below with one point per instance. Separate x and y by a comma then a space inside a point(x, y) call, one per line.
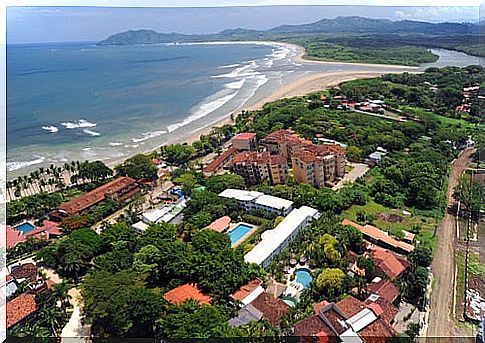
point(135, 114)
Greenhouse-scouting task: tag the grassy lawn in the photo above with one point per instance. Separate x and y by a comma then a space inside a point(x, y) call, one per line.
point(445, 120)
point(72, 193)
point(460, 283)
point(378, 212)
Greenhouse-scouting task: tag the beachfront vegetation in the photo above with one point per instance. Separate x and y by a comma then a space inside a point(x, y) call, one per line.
point(137, 167)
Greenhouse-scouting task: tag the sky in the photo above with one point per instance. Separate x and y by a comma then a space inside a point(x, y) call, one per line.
point(58, 24)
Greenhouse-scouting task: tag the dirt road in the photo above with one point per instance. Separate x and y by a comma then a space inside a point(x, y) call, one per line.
point(441, 322)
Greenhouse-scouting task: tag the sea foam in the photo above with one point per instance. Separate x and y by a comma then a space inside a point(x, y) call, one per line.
point(81, 123)
point(148, 135)
point(11, 166)
point(50, 128)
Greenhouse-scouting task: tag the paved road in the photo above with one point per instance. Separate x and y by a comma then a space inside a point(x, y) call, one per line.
point(359, 169)
point(441, 322)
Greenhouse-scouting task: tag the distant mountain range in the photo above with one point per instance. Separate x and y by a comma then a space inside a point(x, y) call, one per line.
point(339, 25)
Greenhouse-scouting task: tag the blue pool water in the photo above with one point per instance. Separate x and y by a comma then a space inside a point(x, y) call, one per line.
point(304, 277)
point(238, 232)
point(24, 227)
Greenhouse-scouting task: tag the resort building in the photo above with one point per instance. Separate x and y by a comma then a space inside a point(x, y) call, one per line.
point(248, 292)
point(185, 292)
point(284, 142)
point(318, 165)
point(273, 309)
point(258, 167)
point(244, 141)
point(384, 289)
point(350, 320)
point(219, 162)
point(274, 241)
point(9, 287)
point(245, 315)
point(121, 189)
point(251, 200)
point(381, 238)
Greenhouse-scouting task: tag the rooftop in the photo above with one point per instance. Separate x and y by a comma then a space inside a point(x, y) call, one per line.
point(14, 237)
point(272, 239)
point(20, 308)
point(274, 202)
point(390, 263)
point(219, 160)
point(220, 224)
point(242, 292)
point(240, 194)
point(185, 292)
point(379, 235)
point(87, 200)
point(244, 136)
point(384, 289)
point(245, 315)
point(24, 271)
point(272, 308)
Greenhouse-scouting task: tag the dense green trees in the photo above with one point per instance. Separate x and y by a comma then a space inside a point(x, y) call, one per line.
point(218, 183)
point(330, 282)
point(33, 206)
point(178, 154)
point(120, 305)
point(138, 167)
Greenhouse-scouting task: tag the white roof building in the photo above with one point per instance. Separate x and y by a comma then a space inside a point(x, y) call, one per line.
point(274, 241)
point(251, 200)
point(140, 227)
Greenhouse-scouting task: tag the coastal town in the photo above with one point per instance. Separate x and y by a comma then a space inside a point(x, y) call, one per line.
point(319, 216)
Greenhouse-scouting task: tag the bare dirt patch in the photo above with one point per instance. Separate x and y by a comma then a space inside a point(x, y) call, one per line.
point(391, 217)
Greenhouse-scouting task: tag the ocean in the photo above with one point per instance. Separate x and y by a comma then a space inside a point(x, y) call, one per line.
point(79, 101)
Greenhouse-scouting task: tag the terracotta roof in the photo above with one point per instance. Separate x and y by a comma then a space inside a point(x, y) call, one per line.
point(311, 326)
point(379, 235)
point(379, 331)
point(97, 195)
point(246, 289)
point(184, 292)
point(244, 136)
point(390, 263)
point(20, 308)
point(389, 310)
point(220, 224)
point(318, 306)
point(350, 306)
point(385, 289)
point(25, 271)
point(219, 160)
point(14, 237)
point(272, 308)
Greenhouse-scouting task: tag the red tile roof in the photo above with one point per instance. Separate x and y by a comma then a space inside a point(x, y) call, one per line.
point(350, 306)
point(242, 292)
point(185, 292)
point(219, 161)
point(244, 136)
point(221, 224)
point(318, 306)
point(384, 289)
point(97, 195)
point(14, 237)
point(311, 326)
point(24, 271)
point(389, 310)
point(390, 263)
point(272, 308)
point(254, 157)
point(20, 308)
point(380, 236)
point(378, 331)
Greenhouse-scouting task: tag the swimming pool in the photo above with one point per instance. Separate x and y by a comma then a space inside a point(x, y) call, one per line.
point(238, 232)
point(24, 227)
point(303, 276)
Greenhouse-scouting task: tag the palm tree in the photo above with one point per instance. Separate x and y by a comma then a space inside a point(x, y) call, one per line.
point(52, 316)
point(60, 293)
point(73, 266)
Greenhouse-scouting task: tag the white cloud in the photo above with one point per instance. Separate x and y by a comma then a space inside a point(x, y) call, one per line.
point(438, 13)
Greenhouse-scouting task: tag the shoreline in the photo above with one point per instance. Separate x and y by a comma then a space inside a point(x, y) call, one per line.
point(302, 85)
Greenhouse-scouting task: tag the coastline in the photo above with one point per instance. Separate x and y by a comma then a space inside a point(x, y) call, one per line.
point(309, 82)
point(299, 87)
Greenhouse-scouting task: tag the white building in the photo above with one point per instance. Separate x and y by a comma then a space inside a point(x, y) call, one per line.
point(274, 241)
point(251, 200)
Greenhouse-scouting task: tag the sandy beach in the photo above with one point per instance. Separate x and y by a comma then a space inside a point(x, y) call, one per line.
point(307, 84)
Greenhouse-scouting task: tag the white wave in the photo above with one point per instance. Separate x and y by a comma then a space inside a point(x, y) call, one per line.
point(91, 132)
point(246, 70)
point(280, 53)
point(11, 166)
point(86, 149)
point(50, 128)
point(230, 66)
point(81, 123)
point(115, 143)
point(135, 145)
point(148, 135)
point(235, 84)
point(202, 111)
